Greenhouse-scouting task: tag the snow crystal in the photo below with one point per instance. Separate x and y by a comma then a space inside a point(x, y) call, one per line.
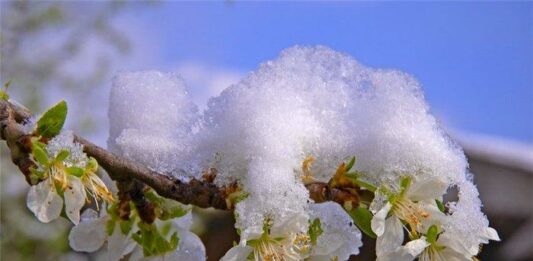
point(467, 223)
point(65, 141)
point(150, 116)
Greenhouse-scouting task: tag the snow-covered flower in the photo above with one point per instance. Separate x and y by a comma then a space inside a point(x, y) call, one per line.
point(91, 234)
point(331, 235)
point(449, 246)
point(45, 202)
point(93, 231)
point(411, 201)
point(68, 171)
point(433, 247)
point(339, 237)
point(269, 246)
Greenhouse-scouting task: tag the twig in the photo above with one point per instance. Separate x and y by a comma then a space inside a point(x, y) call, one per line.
point(201, 193)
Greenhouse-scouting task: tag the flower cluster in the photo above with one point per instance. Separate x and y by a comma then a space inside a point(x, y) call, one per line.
point(331, 235)
point(415, 204)
point(67, 175)
point(168, 239)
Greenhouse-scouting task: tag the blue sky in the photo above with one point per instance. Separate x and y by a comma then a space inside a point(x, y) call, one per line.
point(475, 60)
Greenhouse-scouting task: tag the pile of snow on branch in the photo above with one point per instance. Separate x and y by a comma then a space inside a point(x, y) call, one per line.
point(310, 101)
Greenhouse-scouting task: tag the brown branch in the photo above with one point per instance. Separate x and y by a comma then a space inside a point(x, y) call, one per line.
point(201, 193)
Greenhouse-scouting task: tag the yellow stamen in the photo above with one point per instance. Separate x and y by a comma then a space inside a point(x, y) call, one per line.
point(96, 188)
point(307, 176)
point(410, 212)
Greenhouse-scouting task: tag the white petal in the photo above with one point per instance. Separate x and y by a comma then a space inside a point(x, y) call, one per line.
point(436, 217)
point(392, 238)
point(90, 214)
point(450, 255)
point(432, 188)
point(378, 221)
point(137, 254)
point(190, 247)
point(119, 245)
point(379, 201)
point(294, 222)
point(405, 253)
point(415, 247)
point(88, 236)
point(44, 201)
point(454, 243)
point(184, 222)
point(74, 199)
point(237, 253)
point(399, 255)
point(340, 237)
point(490, 234)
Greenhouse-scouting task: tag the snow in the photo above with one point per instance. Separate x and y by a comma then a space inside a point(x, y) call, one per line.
point(151, 115)
point(65, 141)
point(309, 101)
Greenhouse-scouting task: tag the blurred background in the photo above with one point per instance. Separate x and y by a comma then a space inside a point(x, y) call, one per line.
point(474, 59)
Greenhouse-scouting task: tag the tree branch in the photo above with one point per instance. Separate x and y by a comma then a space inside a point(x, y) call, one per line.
point(202, 193)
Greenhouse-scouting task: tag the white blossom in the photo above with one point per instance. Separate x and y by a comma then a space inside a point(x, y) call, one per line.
point(91, 234)
point(411, 202)
point(340, 237)
point(44, 199)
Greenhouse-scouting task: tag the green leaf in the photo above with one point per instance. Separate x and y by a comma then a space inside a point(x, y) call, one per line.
point(350, 164)
point(253, 243)
point(110, 227)
point(237, 196)
point(362, 218)
point(174, 241)
point(169, 208)
point(62, 155)
point(75, 171)
point(4, 96)
point(36, 175)
point(440, 205)
point(315, 230)
point(39, 154)
point(3, 93)
point(354, 177)
point(6, 85)
point(431, 236)
point(126, 226)
point(405, 182)
point(50, 124)
point(92, 165)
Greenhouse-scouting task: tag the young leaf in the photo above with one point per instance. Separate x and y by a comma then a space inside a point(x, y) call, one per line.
point(354, 177)
point(50, 124)
point(92, 165)
point(3, 93)
point(440, 205)
point(110, 227)
point(350, 164)
point(39, 154)
point(62, 155)
point(315, 230)
point(362, 218)
point(432, 234)
point(174, 241)
point(126, 226)
point(75, 171)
